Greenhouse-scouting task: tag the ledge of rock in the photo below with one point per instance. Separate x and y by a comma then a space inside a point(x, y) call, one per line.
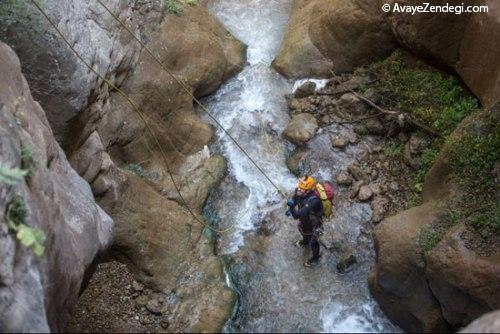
point(339, 35)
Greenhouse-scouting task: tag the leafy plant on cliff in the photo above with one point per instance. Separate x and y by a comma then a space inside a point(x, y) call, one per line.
point(11, 176)
point(172, 6)
point(136, 169)
point(27, 236)
point(428, 239)
point(28, 162)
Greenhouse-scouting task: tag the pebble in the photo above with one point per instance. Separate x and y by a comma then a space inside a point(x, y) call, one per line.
point(153, 306)
point(340, 142)
point(344, 178)
point(137, 286)
point(365, 193)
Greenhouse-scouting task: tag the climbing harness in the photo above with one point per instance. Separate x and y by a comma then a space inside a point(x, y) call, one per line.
point(142, 116)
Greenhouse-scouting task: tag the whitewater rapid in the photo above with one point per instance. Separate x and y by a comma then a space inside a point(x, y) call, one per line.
point(277, 293)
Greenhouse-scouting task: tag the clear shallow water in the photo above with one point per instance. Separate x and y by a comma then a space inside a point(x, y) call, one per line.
point(277, 292)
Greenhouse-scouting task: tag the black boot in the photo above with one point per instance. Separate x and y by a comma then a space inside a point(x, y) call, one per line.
point(312, 261)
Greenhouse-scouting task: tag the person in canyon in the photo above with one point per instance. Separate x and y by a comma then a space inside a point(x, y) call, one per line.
point(306, 207)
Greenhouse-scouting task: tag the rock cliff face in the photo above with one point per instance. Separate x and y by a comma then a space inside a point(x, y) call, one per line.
point(39, 293)
point(458, 278)
point(101, 134)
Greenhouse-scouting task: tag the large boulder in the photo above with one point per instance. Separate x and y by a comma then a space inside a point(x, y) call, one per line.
point(38, 294)
point(166, 248)
point(301, 128)
point(465, 42)
point(465, 283)
point(398, 280)
point(339, 35)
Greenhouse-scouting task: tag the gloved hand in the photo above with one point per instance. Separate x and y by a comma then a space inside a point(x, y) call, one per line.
point(317, 231)
point(290, 203)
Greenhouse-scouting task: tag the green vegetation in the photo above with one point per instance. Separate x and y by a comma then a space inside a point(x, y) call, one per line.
point(11, 176)
point(472, 156)
point(427, 158)
point(393, 148)
point(136, 169)
point(172, 6)
point(28, 162)
point(434, 98)
point(428, 239)
point(27, 236)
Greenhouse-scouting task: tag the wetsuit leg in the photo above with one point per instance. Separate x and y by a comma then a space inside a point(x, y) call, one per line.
point(315, 247)
point(306, 239)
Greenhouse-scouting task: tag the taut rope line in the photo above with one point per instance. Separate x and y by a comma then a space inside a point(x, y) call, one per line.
point(282, 193)
point(137, 110)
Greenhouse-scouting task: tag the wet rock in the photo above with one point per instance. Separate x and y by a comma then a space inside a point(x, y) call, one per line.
point(300, 106)
point(301, 128)
point(376, 188)
point(295, 162)
point(365, 193)
point(339, 142)
point(352, 138)
point(346, 261)
point(306, 89)
point(344, 179)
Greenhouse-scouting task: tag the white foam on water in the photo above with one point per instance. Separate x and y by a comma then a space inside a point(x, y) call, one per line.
point(361, 318)
point(320, 83)
point(252, 108)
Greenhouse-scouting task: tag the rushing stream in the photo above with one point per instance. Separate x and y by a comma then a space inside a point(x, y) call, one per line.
point(277, 292)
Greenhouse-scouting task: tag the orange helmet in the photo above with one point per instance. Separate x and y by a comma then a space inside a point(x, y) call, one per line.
point(307, 183)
